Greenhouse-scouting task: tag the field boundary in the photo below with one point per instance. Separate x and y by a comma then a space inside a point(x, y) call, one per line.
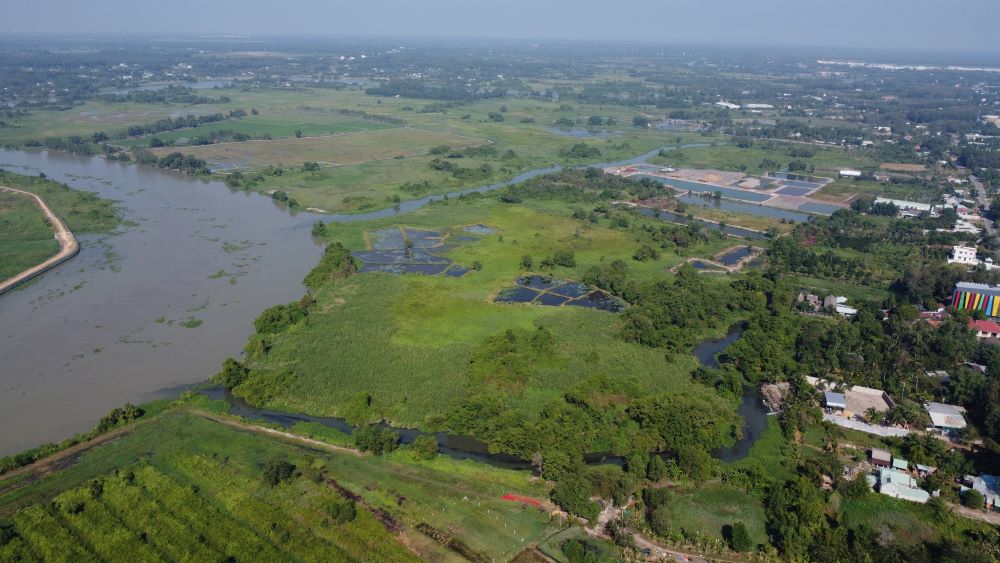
point(68, 245)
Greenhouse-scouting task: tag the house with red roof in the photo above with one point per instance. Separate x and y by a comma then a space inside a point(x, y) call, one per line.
point(985, 329)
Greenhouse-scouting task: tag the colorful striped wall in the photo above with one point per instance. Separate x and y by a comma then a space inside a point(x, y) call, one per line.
point(970, 300)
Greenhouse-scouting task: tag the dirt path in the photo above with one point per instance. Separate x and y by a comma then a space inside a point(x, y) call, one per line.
point(277, 433)
point(68, 246)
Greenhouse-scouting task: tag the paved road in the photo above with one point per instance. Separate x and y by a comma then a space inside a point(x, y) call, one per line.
point(984, 202)
point(68, 247)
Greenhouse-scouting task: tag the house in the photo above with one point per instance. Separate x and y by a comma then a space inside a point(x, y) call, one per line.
point(881, 458)
point(963, 255)
point(900, 464)
point(847, 173)
point(926, 470)
point(904, 205)
point(758, 106)
point(727, 105)
point(985, 329)
point(946, 418)
point(835, 401)
point(898, 484)
point(988, 486)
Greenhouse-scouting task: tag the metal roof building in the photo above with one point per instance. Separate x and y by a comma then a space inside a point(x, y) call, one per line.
point(946, 417)
point(835, 400)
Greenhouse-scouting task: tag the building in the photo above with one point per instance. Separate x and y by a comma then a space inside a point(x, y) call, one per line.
point(898, 484)
point(881, 458)
point(835, 401)
point(727, 105)
point(847, 173)
point(904, 205)
point(972, 296)
point(758, 106)
point(964, 255)
point(900, 464)
point(946, 418)
point(985, 329)
point(988, 486)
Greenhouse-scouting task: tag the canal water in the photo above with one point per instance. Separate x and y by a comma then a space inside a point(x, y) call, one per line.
point(158, 305)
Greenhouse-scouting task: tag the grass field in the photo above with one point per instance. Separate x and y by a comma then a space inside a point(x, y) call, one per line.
point(407, 340)
point(706, 510)
point(26, 238)
point(347, 148)
point(25, 235)
point(183, 487)
point(843, 190)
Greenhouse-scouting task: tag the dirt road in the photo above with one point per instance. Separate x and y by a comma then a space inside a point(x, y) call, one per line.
point(984, 202)
point(68, 246)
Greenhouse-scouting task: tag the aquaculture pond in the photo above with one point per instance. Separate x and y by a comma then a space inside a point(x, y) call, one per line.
point(733, 257)
point(705, 266)
point(543, 290)
point(407, 251)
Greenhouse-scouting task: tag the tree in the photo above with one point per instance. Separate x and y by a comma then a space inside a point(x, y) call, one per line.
point(595, 120)
point(739, 539)
point(376, 439)
point(639, 121)
point(572, 494)
point(310, 166)
point(425, 446)
point(564, 258)
point(298, 133)
point(319, 229)
point(233, 373)
point(343, 511)
point(276, 472)
point(527, 262)
point(656, 469)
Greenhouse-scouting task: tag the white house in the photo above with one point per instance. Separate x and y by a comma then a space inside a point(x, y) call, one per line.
point(727, 105)
point(847, 173)
point(963, 255)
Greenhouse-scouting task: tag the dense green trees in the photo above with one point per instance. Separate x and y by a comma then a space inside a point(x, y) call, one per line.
point(336, 263)
point(375, 438)
point(572, 494)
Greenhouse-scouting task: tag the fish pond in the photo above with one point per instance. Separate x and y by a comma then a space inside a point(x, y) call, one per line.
point(400, 250)
point(543, 290)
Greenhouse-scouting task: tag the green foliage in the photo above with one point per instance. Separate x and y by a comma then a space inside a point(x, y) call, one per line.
point(336, 263)
point(232, 375)
point(973, 499)
point(375, 439)
point(343, 511)
point(119, 417)
point(646, 253)
point(740, 539)
point(572, 494)
point(580, 151)
point(425, 446)
point(279, 318)
point(277, 472)
point(319, 229)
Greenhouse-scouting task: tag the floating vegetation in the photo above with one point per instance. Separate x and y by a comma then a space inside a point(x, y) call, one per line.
point(543, 290)
point(479, 230)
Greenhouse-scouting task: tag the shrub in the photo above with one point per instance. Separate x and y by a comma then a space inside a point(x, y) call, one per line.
point(233, 373)
point(344, 511)
point(425, 446)
point(572, 494)
point(739, 539)
point(376, 439)
point(564, 258)
point(276, 472)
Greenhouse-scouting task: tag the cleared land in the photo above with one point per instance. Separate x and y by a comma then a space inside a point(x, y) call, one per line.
point(352, 148)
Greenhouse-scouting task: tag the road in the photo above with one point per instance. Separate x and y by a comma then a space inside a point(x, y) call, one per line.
point(68, 246)
point(984, 202)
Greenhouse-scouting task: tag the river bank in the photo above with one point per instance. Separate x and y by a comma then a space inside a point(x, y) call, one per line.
point(68, 245)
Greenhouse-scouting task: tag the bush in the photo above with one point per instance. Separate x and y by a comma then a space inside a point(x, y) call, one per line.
point(572, 494)
point(425, 446)
point(739, 539)
point(344, 511)
point(276, 472)
point(319, 229)
point(233, 373)
point(973, 499)
point(278, 318)
point(564, 258)
point(376, 439)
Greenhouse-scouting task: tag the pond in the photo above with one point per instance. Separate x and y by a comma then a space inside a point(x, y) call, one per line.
point(543, 290)
point(733, 257)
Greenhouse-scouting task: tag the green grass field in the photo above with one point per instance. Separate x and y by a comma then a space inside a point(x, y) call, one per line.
point(340, 149)
point(25, 235)
point(26, 238)
point(407, 340)
point(183, 487)
point(843, 190)
point(706, 510)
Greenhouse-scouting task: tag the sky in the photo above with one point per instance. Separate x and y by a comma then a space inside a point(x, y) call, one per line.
point(925, 25)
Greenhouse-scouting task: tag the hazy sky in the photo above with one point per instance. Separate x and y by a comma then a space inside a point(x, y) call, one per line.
point(927, 25)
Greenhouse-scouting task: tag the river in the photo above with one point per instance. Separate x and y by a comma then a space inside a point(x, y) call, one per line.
point(115, 324)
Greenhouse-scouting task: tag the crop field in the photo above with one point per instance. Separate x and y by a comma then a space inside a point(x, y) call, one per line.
point(184, 487)
point(347, 148)
point(407, 340)
point(25, 236)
